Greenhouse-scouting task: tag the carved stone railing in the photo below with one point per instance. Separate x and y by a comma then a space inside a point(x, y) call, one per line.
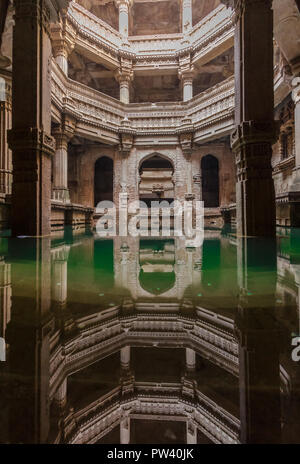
point(98, 338)
point(212, 31)
point(94, 109)
point(92, 27)
point(159, 43)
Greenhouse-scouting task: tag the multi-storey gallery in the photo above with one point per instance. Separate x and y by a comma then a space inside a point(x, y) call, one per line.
point(141, 339)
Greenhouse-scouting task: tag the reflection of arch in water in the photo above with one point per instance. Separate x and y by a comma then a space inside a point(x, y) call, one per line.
point(157, 258)
point(210, 181)
point(104, 180)
point(156, 173)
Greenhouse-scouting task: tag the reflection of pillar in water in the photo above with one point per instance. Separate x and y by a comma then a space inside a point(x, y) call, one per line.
point(28, 336)
point(125, 431)
point(259, 342)
point(191, 433)
point(190, 357)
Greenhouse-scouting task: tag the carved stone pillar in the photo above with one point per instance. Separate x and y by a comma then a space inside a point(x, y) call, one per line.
point(62, 134)
point(63, 42)
point(30, 138)
point(5, 125)
point(186, 75)
point(187, 16)
point(124, 77)
point(123, 6)
point(187, 83)
point(254, 107)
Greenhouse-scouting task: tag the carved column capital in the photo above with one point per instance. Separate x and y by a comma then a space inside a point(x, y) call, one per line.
point(123, 3)
point(64, 131)
point(124, 75)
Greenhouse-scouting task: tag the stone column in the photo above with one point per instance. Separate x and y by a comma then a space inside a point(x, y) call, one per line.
point(191, 433)
point(63, 135)
point(5, 125)
point(124, 78)
point(254, 107)
point(187, 84)
point(186, 75)
point(123, 6)
point(187, 16)
point(30, 138)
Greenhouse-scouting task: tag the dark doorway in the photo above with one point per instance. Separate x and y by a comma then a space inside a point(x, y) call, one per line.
point(104, 176)
point(156, 174)
point(210, 181)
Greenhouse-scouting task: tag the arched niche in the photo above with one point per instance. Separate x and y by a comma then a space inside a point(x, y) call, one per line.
point(156, 179)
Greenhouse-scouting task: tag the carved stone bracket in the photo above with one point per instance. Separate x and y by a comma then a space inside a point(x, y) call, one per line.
point(186, 134)
point(126, 137)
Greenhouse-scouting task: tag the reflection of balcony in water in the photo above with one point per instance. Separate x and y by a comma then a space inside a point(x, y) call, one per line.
point(103, 321)
point(157, 259)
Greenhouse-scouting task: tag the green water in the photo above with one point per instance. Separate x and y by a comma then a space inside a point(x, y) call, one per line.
point(91, 324)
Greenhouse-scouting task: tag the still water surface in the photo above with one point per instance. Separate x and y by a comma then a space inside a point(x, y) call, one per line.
point(146, 341)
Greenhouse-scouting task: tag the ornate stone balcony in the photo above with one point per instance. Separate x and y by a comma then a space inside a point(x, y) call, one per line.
point(207, 39)
point(149, 400)
point(102, 334)
point(102, 117)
